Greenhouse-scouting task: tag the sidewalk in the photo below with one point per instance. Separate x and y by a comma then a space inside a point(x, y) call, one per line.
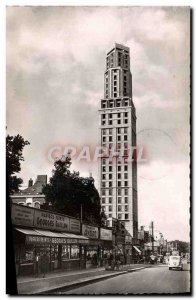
point(55, 281)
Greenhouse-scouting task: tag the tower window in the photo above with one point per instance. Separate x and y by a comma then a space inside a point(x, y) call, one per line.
point(110, 208)
point(119, 208)
point(119, 216)
point(110, 176)
point(110, 191)
point(119, 199)
point(110, 168)
point(119, 176)
point(126, 216)
point(110, 122)
point(103, 200)
point(126, 199)
point(110, 116)
point(110, 131)
point(119, 192)
point(110, 200)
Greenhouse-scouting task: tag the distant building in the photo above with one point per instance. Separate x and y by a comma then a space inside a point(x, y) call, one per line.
point(31, 196)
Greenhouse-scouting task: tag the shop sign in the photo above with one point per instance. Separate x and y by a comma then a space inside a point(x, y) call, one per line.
point(30, 239)
point(105, 234)
point(47, 220)
point(22, 215)
point(74, 225)
point(90, 231)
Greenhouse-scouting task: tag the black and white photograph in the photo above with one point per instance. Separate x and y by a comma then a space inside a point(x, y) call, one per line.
point(98, 122)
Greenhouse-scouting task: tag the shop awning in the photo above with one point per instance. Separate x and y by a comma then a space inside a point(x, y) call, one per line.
point(138, 250)
point(27, 231)
point(39, 236)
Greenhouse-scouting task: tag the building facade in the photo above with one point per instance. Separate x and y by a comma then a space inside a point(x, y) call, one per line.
point(117, 120)
point(31, 196)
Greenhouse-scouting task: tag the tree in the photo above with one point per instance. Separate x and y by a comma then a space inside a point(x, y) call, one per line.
point(14, 157)
point(70, 194)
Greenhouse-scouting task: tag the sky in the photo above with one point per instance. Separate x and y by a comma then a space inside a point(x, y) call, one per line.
point(55, 66)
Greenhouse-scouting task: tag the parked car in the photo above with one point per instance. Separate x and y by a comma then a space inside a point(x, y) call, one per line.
point(175, 262)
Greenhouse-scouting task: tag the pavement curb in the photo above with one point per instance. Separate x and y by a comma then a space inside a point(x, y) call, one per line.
point(80, 282)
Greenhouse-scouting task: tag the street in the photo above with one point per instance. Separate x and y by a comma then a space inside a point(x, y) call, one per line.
point(151, 280)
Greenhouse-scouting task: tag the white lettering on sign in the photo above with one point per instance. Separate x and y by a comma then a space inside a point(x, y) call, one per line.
point(90, 231)
point(48, 220)
point(22, 215)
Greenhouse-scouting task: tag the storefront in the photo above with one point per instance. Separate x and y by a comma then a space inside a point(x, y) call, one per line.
point(45, 241)
point(93, 249)
point(106, 246)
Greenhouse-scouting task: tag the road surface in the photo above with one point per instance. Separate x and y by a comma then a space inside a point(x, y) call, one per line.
point(152, 280)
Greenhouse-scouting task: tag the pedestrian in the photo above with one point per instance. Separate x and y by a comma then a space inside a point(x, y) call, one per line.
point(37, 260)
point(44, 263)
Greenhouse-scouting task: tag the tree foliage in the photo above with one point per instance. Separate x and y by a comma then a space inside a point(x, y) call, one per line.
point(68, 193)
point(14, 157)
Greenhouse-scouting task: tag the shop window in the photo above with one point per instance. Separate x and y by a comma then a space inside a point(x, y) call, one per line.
point(74, 252)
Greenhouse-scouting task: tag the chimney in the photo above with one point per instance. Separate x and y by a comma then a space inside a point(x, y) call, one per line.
point(30, 182)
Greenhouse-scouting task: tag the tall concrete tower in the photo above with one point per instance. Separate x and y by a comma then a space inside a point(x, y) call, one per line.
point(117, 124)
